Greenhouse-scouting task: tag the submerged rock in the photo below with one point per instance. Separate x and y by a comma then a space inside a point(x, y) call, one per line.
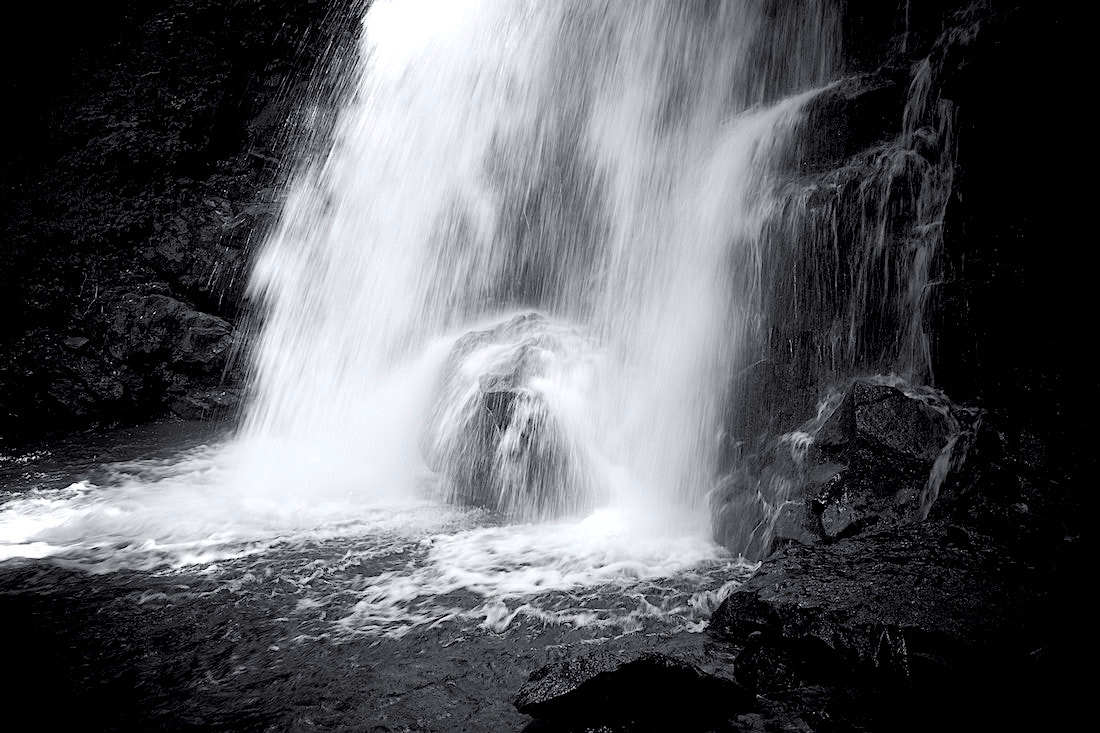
point(651, 691)
point(498, 432)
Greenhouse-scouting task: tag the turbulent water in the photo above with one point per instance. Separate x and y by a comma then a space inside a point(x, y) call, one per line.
point(495, 330)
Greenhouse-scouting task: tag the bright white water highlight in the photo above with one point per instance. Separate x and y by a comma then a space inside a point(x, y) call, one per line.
point(607, 166)
point(372, 566)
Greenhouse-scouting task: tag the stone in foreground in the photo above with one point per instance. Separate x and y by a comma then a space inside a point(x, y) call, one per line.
point(497, 435)
point(646, 692)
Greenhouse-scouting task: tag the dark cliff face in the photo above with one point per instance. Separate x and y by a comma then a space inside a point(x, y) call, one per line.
point(146, 145)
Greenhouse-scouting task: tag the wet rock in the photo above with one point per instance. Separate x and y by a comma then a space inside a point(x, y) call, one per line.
point(203, 404)
point(142, 326)
point(738, 513)
point(652, 691)
point(154, 138)
point(912, 605)
point(883, 455)
point(884, 414)
point(144, 352)
point(496, 435)
point(75, 342)
point(202, 249)
point(929, 625)
point(875, 457)
point(849, 116)
point(792, 524)
point(754, 509)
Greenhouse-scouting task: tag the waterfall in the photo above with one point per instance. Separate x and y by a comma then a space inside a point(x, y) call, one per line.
point(854, 256)
point(851, 261)
point(607, 169)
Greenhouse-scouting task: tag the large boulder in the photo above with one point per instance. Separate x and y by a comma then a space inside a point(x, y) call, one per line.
point(498, 434)
point(876, 457)
point(908, 601)
point(142, 326)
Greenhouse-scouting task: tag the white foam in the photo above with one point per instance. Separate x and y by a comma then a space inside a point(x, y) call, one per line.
point(213, 503)
point(511, 567)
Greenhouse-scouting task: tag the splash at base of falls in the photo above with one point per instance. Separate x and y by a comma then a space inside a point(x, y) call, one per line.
point(508, 431)
point(610, 166)
point(356, 567)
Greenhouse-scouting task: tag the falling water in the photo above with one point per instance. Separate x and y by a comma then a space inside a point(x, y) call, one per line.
point(521, 278)
point(606, 166)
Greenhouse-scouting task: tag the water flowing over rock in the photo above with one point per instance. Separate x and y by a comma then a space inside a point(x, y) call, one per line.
point(861, 230)
point(576, 263)
point(611, 166)
point(500, 432)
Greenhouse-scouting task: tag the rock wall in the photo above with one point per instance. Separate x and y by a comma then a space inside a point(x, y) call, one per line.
point(149, 139)
point(918, 236)
point(919, 557)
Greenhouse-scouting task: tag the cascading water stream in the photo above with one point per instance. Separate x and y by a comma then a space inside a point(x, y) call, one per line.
point(605, 164)
point(520, 278)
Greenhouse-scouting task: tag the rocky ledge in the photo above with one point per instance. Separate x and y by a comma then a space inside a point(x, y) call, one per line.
point(929, 610)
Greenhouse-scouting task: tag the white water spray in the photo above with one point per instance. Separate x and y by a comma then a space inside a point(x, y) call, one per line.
point(607, 165)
